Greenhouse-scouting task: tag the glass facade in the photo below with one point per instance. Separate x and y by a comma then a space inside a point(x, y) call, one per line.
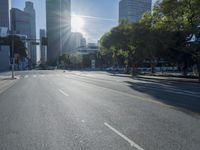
point(29, 9)
point(5, 13)
point(58, 13)
point(132, 10)
point(21, 22)
point(43, 49)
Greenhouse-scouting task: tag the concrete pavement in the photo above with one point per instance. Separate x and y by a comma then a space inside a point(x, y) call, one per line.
point(96, 110)
point(6, 82)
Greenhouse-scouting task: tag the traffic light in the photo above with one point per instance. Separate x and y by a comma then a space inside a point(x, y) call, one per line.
point(44, 41)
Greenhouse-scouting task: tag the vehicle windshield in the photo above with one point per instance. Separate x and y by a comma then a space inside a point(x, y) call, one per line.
point(99, 74)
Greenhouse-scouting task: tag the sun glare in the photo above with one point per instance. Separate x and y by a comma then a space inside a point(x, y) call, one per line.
point(77, 24)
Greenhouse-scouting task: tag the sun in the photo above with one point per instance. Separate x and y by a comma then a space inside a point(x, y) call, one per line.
point(77, 24)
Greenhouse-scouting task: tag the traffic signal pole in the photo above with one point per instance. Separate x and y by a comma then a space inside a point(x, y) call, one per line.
point(13, 57)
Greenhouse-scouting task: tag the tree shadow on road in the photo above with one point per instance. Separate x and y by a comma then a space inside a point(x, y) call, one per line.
point(168, 93)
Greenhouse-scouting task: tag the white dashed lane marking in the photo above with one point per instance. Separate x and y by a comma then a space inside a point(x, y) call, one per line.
point(62, 92)
point(132, 143)
point(41, 76)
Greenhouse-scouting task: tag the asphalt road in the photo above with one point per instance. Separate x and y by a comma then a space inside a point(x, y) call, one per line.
point(73, 110)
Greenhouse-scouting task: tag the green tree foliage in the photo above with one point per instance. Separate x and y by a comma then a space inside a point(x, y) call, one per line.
point(179, 19)
point(164, 33)
point(64, 59)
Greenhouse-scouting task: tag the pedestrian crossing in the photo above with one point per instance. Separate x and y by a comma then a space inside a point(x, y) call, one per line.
point(40, 76)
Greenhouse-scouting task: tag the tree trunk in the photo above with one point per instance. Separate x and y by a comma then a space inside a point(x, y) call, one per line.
point(134, 70)
point(152, 67)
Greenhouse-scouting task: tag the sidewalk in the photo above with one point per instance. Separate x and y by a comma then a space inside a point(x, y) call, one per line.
point(5, 83)
point(171, 79)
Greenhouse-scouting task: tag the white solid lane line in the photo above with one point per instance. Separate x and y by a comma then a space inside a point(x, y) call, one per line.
point(61, 91)
point(133, 144)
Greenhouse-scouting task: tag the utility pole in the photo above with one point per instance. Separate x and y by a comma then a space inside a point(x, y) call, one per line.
point(13, 44)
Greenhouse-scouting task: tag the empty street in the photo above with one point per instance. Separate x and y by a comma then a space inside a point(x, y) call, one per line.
point(80, 110)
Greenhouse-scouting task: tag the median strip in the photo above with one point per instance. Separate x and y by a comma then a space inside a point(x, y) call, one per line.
point(132, 143)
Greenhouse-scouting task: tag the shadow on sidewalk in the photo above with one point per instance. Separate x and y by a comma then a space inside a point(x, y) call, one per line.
point(7, 79)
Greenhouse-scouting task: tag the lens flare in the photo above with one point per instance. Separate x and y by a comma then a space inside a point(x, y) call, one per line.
point(77, 24)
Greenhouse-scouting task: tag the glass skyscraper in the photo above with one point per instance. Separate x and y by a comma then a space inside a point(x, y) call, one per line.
point(43, 49)
point(58, 14)
point(132, 10)
point(29, 9)
point(5, 6)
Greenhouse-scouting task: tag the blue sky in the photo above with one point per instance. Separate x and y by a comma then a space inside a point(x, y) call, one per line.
point(104, 15)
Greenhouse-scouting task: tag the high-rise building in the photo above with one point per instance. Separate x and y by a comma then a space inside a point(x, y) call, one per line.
point(132, 10)
point(43, 49)
point(75, 40)
point(58, 14)
point(5, 6)
point(83, 42)
point(4, 52)
point(29, 9)
point(20, 22)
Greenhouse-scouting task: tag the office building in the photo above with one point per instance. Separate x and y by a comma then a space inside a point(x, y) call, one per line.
point(20, 22)
point(4, 58)
point(29, 9)
point(4, 52)
point(5, 6)
point(132, 10)
point(58, 28)
point(83, 42)
point(43, 49)
point(76, 40)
